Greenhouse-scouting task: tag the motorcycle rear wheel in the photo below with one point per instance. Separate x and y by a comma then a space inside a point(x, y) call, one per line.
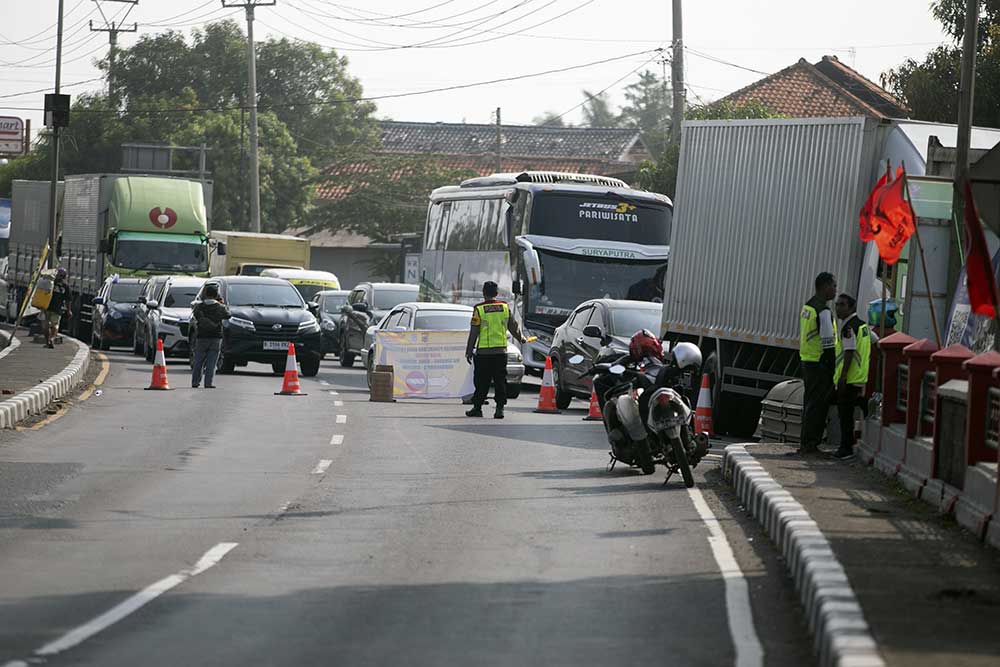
point(681, 459)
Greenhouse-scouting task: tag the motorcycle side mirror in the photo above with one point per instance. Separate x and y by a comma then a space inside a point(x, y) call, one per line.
point(576, 359)
point(617, 369)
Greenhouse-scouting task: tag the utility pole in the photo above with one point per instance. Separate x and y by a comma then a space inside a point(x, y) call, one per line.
point(113, 28)
point(965, 104)
point(54, 176)
point(499, 165)
point(249, 6)
point(677, 75)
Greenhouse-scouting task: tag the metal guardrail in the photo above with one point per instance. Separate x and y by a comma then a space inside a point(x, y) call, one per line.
point(928, 397)
point(993, 419)
point(902, 387)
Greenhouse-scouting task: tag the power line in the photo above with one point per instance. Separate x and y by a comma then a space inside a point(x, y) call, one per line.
point(601, 92)
point(724, 62)
point(49, 88)
point(27, 40)
point(371, 98)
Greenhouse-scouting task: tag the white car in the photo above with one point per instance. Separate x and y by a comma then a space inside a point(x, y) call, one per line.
point(168, 319)
point(426, 316)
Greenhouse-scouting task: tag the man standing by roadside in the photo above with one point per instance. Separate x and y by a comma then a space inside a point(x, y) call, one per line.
point(207, 316)
point(818, 352)
point(57, 309)
point(852, 370)
point(491, 321)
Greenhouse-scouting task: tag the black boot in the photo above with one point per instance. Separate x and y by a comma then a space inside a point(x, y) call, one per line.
point(476, 411)
point(498, 413)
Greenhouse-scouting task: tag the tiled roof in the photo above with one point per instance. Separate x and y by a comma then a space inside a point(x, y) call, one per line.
point(345, 177)
point(527, 140)
point(828, 88)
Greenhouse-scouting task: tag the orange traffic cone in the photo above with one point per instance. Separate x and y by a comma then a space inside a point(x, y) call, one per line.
point(159, 369)
point(290, 387)
point(547, 394)
point(703, 412)
point(594, 414)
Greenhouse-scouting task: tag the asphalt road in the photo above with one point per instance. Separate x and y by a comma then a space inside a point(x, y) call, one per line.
point(200, 527)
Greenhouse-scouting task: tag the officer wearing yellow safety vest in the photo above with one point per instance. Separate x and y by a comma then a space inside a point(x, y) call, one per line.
point(852, 370)
point(491, 321)
point(818, 352)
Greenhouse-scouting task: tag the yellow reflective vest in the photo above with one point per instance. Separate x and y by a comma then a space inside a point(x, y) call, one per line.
point(858, 371)
point(810, 345)
point(491, 317)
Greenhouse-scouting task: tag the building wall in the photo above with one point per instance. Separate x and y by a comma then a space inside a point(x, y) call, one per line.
point(348, 264)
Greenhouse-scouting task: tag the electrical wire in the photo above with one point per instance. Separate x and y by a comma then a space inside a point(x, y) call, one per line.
point(724, 62)
point(28, 40)
point(552, 120)
point(49, 88)
point(370, 98)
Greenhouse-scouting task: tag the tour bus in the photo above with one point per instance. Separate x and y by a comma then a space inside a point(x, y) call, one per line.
point(550, 241)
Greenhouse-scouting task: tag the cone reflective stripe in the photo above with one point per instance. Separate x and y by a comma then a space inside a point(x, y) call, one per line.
point(290, 386)
point(703, 412)
point(594, 413)
point(159, 381)
point(547, 394)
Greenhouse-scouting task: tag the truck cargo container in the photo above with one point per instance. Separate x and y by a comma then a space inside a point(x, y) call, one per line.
point(249, 253)
point(761, 208)
point(108, 224)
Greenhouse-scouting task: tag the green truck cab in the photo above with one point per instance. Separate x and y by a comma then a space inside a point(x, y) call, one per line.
point(156, 225)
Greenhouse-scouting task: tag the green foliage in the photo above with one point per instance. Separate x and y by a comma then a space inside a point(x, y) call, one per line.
point(647, 109)
point(388, 194)
point(549, 119)
point(597, 111)
point(661, 175)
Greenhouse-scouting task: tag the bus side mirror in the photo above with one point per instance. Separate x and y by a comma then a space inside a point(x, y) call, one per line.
point(104, 247)
point(515, 287)
point(220, 248)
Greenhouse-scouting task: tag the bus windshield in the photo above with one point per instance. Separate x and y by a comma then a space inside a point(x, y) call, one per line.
point(600, 217)
point(569, 280)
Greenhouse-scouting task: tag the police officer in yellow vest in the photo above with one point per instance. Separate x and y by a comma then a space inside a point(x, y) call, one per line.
point(491, 321)
point(852, 370)
point(818, 353)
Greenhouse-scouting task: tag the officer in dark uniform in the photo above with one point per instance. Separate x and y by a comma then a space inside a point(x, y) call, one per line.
point(487, 344)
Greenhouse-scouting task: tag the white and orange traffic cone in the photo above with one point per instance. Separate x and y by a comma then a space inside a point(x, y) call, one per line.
point(290, 386)
point(547, 394)
point(159, 382)
point(703, 411)
point(594, 413)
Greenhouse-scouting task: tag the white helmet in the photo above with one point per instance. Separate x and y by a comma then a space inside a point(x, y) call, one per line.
point(686, 355)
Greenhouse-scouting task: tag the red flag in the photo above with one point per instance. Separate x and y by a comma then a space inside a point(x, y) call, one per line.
point(868, 210)
point(978, 267)
point(893, 222)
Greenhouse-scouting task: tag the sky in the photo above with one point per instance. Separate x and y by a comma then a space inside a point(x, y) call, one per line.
point(455, 42)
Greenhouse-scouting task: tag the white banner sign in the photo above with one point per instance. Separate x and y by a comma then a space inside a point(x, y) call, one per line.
point(11, 135)
point(426, 364)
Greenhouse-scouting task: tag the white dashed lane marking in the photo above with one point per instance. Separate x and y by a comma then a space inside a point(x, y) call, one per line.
point(341, 419)
point(337, 440)
point(322, 466)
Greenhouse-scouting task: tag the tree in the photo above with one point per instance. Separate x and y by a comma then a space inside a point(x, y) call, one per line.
point(597, 111)
point(549, 119)
point(386, 195)
point(647, 109)
point(930, 87)
point(661, 175)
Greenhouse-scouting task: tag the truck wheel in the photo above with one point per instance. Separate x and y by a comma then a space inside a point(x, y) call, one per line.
point(310, 367)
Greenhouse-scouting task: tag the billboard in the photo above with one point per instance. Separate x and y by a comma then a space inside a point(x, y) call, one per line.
point(11, 135)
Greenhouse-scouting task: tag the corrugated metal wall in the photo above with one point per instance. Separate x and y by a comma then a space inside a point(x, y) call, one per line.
point(761, 208)
point(81, 204)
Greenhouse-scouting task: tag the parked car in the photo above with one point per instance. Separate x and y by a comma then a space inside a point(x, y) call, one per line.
point(326, 306)
point(618, 319)
point(366, 306)
point(307, 282)
point(267, 315)
point(113, 320)
point(152, 291)
point(422, 316)
point(168, 316)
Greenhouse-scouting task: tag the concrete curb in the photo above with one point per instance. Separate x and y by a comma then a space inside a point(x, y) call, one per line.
point(834, 616)
point(36, 399)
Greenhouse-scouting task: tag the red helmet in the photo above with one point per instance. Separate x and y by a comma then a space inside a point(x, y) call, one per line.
point(645, 344)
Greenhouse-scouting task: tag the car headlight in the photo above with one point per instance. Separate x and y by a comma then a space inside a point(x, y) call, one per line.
point(116, 314)
point(166, 319)
point(241, 323)
point(328, 325)
point(310, 326)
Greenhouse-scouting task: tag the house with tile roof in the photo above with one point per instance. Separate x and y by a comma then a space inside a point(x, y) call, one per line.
point(828, 88)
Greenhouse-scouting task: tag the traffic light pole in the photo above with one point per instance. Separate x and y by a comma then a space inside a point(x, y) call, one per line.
point(54, 176)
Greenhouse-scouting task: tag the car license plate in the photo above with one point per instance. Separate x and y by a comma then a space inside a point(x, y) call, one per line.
point(275, 345)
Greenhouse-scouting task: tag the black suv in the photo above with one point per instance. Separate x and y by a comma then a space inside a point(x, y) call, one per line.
point(267, 315)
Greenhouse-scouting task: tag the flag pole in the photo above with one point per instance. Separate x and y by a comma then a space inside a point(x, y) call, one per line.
point(923, 260)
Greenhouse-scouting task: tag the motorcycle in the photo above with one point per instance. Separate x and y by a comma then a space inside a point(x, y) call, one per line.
point(647, 413)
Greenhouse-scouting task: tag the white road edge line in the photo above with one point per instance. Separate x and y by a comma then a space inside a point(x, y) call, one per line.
point(136, 602)
point(337, 440)
point(748, 649)
point(334, 393)
point(322, 466)
point(324, 383)
point(338, 404)
point(341, 419)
